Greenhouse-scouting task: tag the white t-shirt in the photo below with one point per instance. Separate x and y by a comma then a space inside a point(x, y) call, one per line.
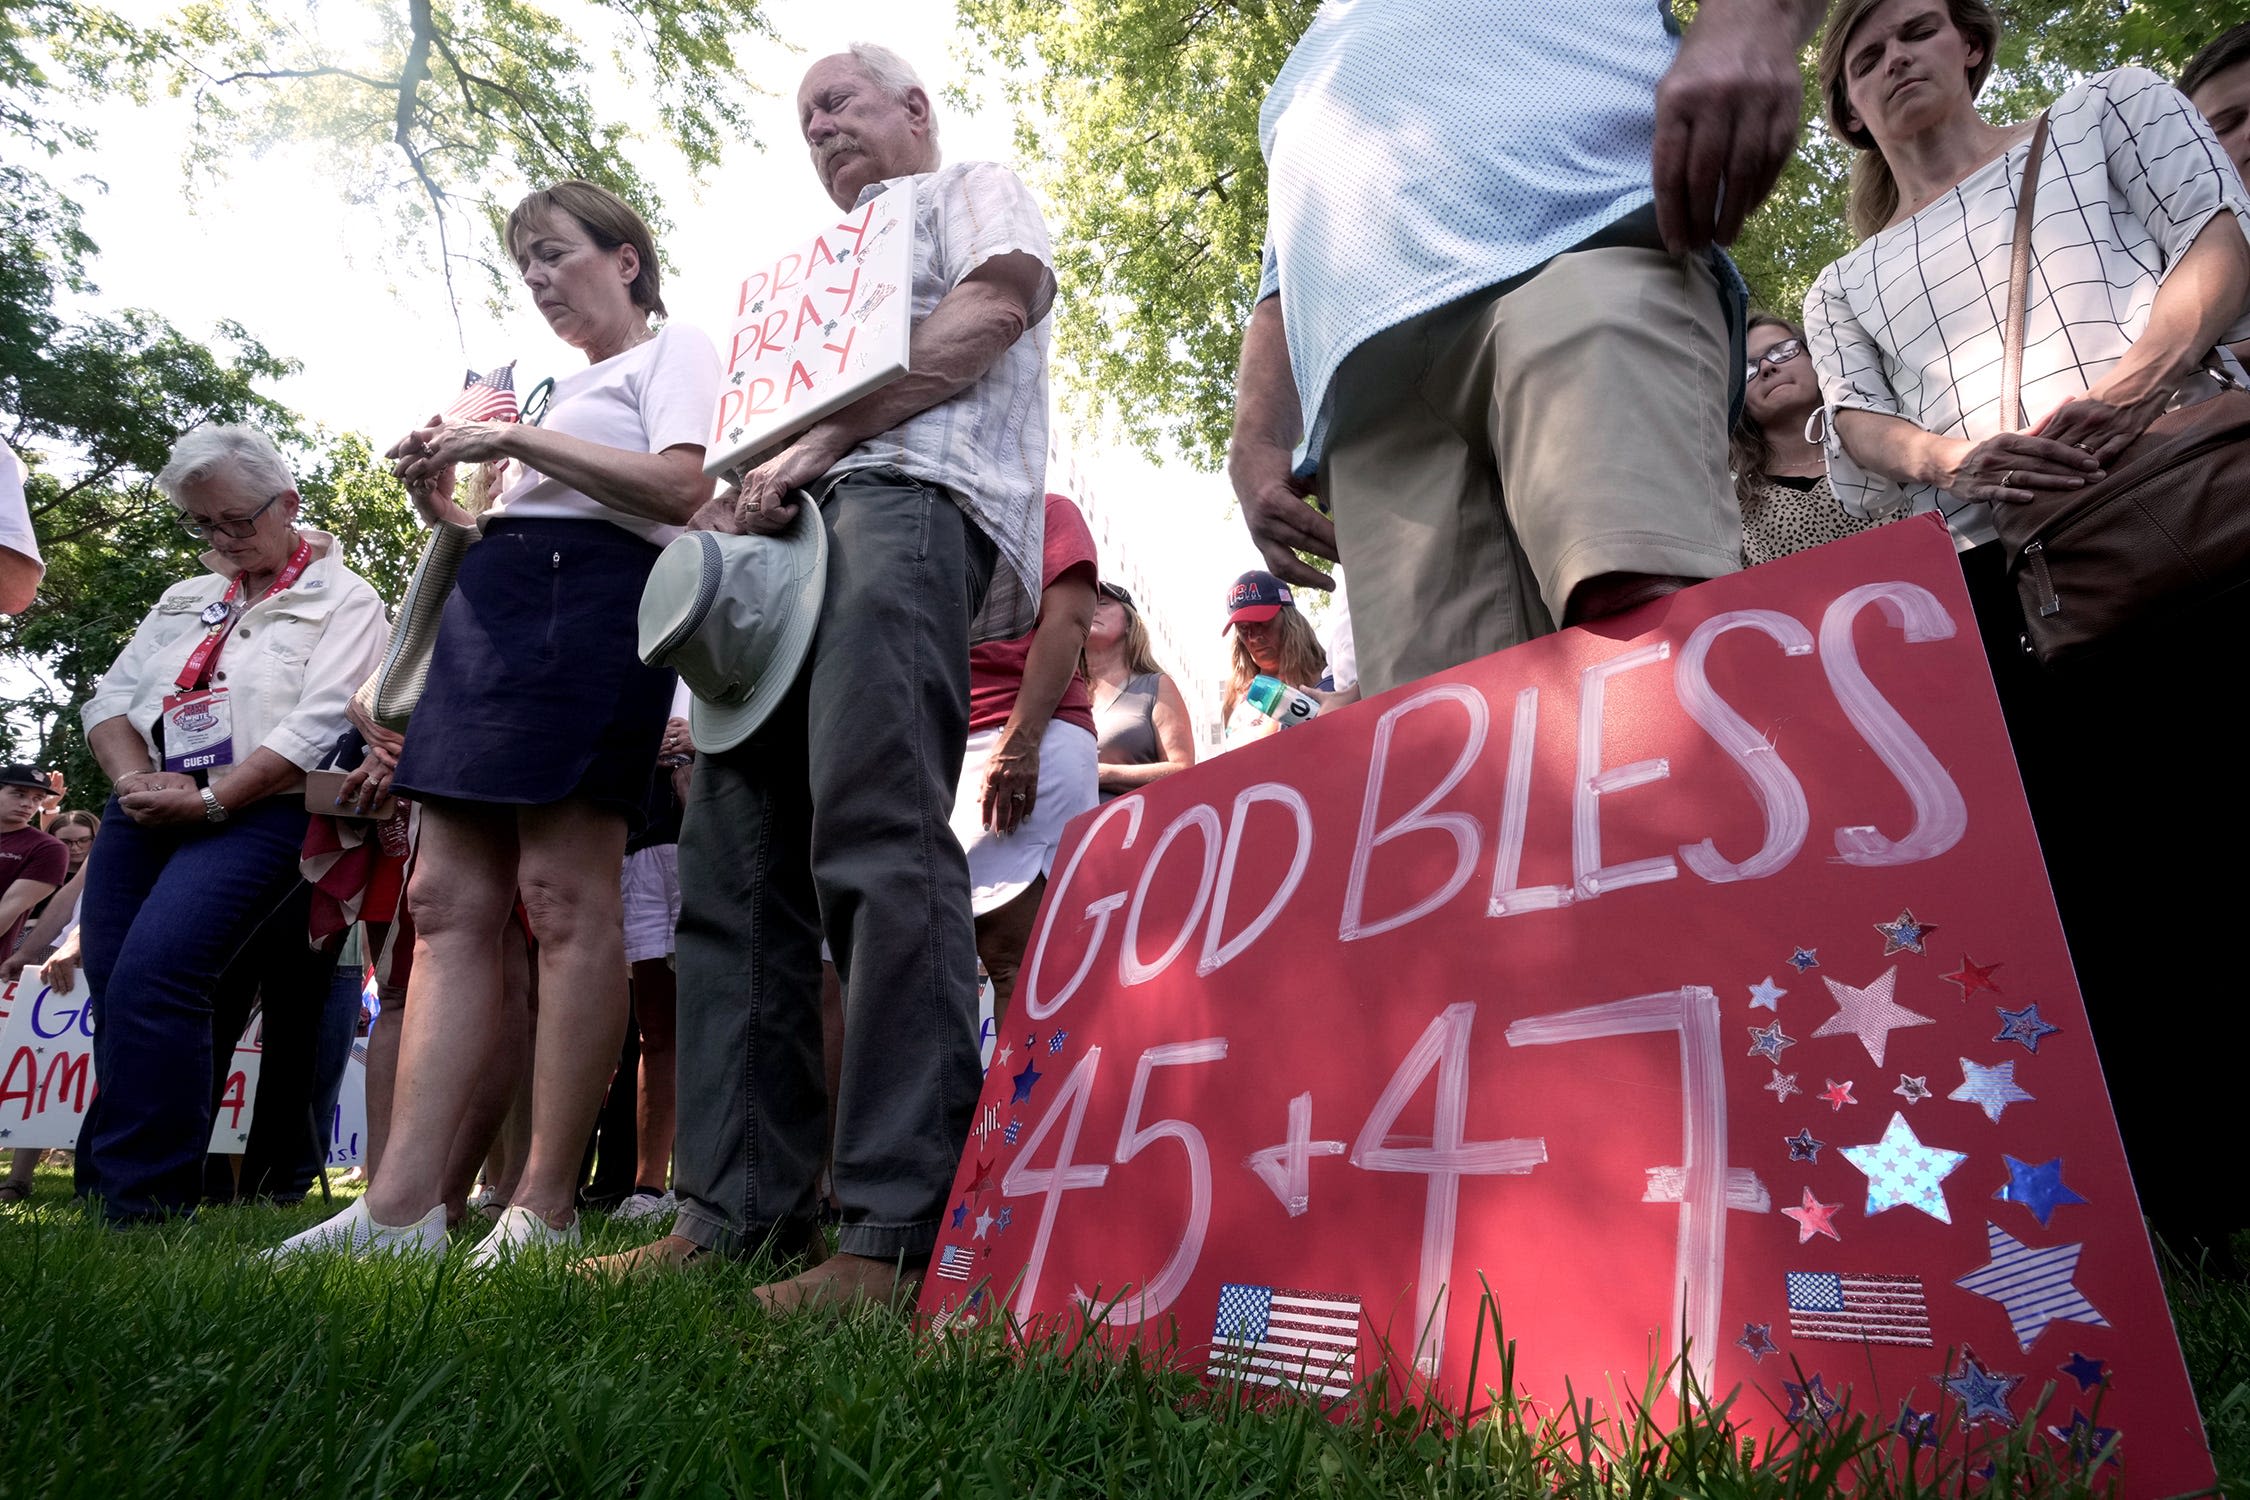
point(15, 511)
point(654, 396)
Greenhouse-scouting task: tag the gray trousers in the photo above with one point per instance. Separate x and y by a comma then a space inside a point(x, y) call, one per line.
point(833, 819)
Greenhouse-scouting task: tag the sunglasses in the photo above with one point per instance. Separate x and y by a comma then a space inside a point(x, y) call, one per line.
point(1779, 354)
point(239, 528)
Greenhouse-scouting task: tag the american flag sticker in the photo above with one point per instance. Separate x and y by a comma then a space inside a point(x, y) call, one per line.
point(1265, 1335)
point(1854, 1307)
point(955, 1262)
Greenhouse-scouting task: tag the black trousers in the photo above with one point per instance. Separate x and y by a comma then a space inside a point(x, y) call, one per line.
point(2129, 772)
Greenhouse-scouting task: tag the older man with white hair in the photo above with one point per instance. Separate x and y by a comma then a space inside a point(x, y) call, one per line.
point(832, 818)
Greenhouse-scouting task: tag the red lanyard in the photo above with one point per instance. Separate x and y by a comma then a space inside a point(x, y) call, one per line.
point(205, 656)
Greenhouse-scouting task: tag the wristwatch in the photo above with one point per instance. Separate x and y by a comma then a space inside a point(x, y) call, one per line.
point(214, 810)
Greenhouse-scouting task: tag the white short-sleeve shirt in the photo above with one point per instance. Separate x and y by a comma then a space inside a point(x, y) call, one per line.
point(656, 395)
point(1909, 324)
point(987, 444)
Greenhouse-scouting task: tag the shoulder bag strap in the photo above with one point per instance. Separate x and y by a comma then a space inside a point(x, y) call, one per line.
point(2019, 283)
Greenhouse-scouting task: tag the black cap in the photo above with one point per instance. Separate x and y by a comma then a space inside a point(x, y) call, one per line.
point(1117, 591)
point(23, 775)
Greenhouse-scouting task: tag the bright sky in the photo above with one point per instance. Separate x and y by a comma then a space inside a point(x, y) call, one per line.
point(274, 247)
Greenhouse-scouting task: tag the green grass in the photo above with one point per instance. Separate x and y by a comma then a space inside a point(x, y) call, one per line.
point(169, 1363)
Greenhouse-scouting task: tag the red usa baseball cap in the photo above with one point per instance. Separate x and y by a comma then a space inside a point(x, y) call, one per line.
point(1256, 596)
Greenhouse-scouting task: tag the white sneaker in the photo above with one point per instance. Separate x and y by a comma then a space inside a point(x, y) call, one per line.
point(643, 1207)
point(519, 1230)
point(355, 1233)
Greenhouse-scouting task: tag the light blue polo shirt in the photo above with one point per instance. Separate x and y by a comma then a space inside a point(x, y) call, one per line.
point(1420, 150)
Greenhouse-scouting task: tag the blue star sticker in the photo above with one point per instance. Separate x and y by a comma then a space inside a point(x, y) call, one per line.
point(1024, 1082)
point(1915, 1426)
point(1902, 1172)
point(1769, 1043)
point(2040, 1189)
point(1905, 935)
point(1805, 958)
point(1007, 1217)
point(1757, 1340)
point(960, 1214)
point(2034, 1283)
point(2026, 1026)
point(1766, 995)
point(2087, 1372)
point(1983, 1392)
point(2084, 1441)
point(1809, 1400)
point(1990, 1089)
point(1802, 1146)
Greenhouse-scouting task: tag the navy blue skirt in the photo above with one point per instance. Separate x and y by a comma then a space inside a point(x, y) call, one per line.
point(537, 692)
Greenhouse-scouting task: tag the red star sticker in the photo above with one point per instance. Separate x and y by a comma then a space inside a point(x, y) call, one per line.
point(983, 1182)
point(1838, 1095)
point(1814, 1218)
point(1972, 977)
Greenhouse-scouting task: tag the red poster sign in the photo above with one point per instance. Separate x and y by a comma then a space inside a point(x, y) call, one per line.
point(1693, 974)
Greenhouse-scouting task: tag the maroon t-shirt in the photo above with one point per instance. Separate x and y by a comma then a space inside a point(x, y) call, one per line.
point(996, 667)
point(28, 854)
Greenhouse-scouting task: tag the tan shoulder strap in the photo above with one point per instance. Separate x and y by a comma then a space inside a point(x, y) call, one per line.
point(2019, 282)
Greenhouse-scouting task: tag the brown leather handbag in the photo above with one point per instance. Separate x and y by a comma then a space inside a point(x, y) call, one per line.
point(2166, 529)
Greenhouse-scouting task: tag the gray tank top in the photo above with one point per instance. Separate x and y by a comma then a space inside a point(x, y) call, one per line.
point(1128, 724)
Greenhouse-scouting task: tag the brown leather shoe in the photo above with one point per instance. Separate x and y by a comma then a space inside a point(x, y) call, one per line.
point(843, 1281)
point(671, 1253)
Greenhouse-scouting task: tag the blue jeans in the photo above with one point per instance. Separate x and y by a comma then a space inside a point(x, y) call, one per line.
point(165, 912)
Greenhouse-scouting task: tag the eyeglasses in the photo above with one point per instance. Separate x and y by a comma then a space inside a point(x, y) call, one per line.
point(1779, 354)
point(203, 530)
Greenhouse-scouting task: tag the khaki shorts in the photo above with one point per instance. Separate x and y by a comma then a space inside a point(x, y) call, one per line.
point(1486, 458)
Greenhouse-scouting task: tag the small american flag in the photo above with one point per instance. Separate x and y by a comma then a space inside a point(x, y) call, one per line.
point(485, 398)
point(1851, 1307)
point(955, 1262)
point(1272, 1336)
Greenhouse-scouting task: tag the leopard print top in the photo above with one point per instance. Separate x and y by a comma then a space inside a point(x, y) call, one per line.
point(1778, 519)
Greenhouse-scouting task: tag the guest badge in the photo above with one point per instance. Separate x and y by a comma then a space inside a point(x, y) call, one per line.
point(198, 730)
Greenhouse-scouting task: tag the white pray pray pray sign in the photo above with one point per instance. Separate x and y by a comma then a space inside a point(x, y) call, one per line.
point(814, 328)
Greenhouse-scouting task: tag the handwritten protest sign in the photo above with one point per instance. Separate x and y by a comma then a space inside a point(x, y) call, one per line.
point(815, 327)
point(47, 1070)
point(1694, 976)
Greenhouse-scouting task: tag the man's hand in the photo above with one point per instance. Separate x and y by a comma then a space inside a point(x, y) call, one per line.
point(1726, 118)
point(717, 513)
point(1281, 521)
point(763, 505)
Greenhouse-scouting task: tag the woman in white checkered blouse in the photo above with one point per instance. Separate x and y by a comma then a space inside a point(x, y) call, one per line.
point(2140, 268)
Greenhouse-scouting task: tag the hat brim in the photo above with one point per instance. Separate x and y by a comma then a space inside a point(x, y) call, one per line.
point(718, 727)
point(1250, 614)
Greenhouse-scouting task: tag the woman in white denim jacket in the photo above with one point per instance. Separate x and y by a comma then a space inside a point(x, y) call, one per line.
point(231, 689)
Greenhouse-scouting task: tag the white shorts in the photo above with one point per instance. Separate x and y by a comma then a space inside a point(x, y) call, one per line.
point(1002, 864)
point(650, 885)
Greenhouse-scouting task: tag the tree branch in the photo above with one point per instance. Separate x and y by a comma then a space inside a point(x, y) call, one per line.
point(410, 81)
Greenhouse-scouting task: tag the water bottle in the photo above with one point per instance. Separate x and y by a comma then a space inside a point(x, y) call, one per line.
point(1281, 703)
